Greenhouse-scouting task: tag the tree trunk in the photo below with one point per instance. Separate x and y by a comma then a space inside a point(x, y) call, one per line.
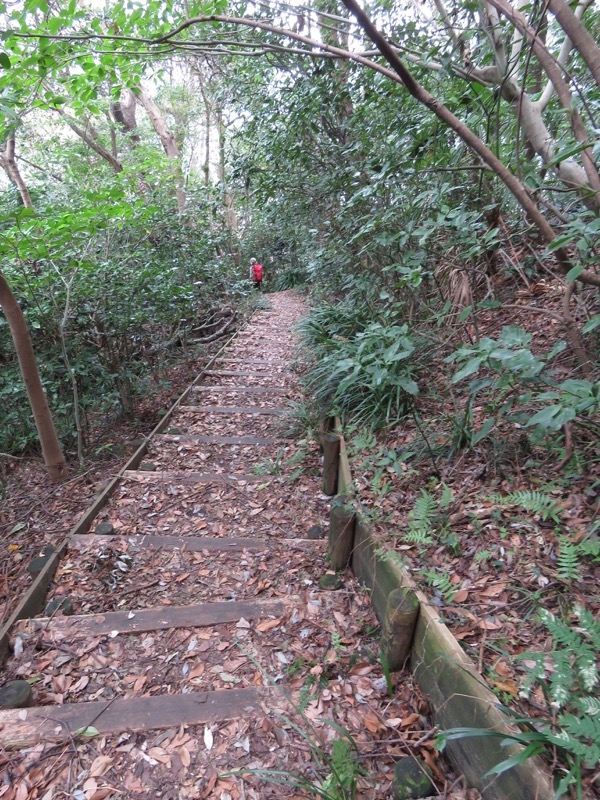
point(168, 142)
point(585, 179)
point(580, 36)
point(9, 165)
point(124, 114)
point(51, 450)
point(229, 215)
point(89, 140)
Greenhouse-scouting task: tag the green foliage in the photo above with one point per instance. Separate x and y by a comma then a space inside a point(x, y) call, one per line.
point(106, 280)
point(570, 555)
point(533, 501)
point(362, 370)
point(568, 676)
point(510, 367)
point(441, 583)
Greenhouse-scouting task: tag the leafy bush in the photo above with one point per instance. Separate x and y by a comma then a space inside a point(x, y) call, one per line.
point(510, 368)
point(363, 371)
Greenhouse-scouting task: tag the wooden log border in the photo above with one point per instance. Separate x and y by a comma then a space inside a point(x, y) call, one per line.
point(457, 692)
point(34, 598)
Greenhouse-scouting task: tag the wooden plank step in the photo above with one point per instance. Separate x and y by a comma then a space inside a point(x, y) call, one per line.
point(242, 440)
point(240, 389)
point(27, 726)
point(235, 410)
point(241, 360)
point(162, 618)
point(237, 374)
point(174, 476)
point(193, 544)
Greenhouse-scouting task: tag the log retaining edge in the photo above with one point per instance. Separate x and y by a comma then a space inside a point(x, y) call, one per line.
point(457, 692)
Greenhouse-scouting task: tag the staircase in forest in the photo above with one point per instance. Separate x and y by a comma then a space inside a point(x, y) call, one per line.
point(199, 557)
point(179, 627)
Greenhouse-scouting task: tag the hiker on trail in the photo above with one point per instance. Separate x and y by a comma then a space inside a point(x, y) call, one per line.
point(256, 274)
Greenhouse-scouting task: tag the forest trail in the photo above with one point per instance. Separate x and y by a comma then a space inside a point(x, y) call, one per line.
point(199, 625)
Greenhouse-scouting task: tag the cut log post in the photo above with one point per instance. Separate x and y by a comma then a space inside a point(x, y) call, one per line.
point(342, 517)
point(331, 463)
point(325, 425)
point(399, 625)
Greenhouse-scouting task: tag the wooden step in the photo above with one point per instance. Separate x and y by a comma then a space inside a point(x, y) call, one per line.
point(163, 618)
point(245, 374)
point(244, 389)
point(174, 476)
point(234, 410)
point(193, 544)
point(28, 726)
point(274, 362)
point(223, 440)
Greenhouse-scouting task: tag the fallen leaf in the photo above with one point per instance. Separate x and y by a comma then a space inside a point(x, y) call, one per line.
point(267, 625)
point(208, 738)
point(100, 766)
point(494, 590)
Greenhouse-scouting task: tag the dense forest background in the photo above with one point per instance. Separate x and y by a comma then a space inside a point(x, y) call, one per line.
point(150, 148)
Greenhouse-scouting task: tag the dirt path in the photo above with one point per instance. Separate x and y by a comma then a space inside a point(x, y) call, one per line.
point(201, 641)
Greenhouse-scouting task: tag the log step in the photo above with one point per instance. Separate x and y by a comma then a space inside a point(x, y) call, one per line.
point(275, 362)
point(239, 374)
point(241, 440)
point(193, 544)
point(26, 727)
point(163, 618)
point(234, 410)
point(239, 389)
point(173, 476)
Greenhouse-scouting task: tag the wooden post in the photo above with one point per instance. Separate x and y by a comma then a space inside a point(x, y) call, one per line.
point(331, 462)
point(324, 428)
point(399, 625)
point(342, 517)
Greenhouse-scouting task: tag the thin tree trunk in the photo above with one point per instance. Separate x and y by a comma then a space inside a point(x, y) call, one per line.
point(102, 152)
point(51, 449)
point(8, 163)
point(208, 118)
point(168, 142)
point(229, 215)
point(580, 36)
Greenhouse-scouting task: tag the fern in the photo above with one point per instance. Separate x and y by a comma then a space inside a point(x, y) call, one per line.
point(418, 537)
point(567, 560)
point(441, 582)
point(538, 503)
point(447, 497)
point(423, 510)
point(588, 705)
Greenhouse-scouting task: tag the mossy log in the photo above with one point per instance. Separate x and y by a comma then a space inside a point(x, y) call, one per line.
point(399, 627)
point(342, 517)
point(331, 460)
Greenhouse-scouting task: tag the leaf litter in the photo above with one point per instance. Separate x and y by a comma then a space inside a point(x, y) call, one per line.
point(319, 657)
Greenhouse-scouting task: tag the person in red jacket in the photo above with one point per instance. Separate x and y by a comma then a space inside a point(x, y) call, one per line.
point(256, 274)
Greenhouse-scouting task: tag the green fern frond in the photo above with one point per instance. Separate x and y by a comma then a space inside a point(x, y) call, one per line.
point(588, 705)
point(423, 510)
point(442, 583)
point(418, 537)
point(447, 497)
point(536, 502)
point(567, 560)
